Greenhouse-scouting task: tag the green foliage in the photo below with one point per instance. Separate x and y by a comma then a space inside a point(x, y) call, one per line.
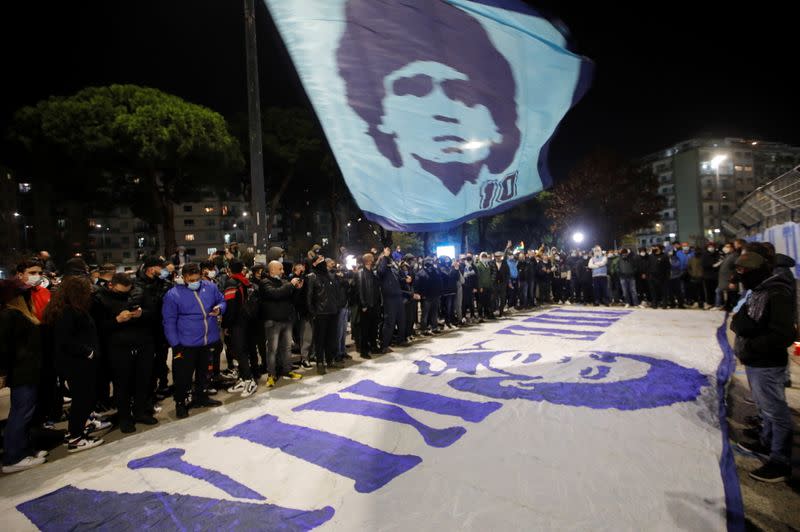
point(408, 242)
point(145, 145)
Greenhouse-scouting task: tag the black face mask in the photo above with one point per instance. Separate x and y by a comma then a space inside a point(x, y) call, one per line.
point(752, 278)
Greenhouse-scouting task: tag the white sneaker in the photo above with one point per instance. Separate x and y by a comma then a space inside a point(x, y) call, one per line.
point(41, 454)
point(642, 305)
point(238, 387)
point(230, 373)
point(67, 400)
point(568, 302)
point(82, 443)
point(250, 388)
point(94, 425)
point(26, 463)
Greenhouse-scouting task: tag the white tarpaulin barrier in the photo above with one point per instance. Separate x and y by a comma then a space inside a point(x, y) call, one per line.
point(569, 419)
point(786, 239)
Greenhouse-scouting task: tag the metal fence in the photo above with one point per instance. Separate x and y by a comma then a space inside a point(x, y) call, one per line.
point(773, 203)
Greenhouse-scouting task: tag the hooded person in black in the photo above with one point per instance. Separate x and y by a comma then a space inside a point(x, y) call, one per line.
point(428, 284)
point(128, 346)
point(765, 328)
point(149, 288)
point(322, 300)
point(391, 279)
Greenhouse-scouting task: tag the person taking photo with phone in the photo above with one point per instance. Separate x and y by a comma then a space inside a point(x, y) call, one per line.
point(129, 348)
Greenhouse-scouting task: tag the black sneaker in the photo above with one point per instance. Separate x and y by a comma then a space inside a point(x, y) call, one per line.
point(146, 420)
point(753, 421)
point(181, 410)
point(754, 448)
point(126, 426)
point(345, 356)
point(321, 369)
point(305, 364)
point(772, 472)
point(366, 355)
point(753, 434)
point(205, 401)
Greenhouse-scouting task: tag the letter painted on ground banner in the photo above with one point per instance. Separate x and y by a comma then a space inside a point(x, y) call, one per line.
point(171, 460)
point(473, 411)
point(71, 508)
point(558, 320)
point(570, 334)
point(609, 313)
point(335, 403)
point(370, 468)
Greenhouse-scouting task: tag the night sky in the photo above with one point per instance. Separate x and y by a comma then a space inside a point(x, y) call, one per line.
point(664, 71)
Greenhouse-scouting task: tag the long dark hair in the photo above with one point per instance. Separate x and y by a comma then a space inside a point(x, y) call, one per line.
point(74, 292)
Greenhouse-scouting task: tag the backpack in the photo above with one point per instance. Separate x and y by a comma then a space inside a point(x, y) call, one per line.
point(251, 304)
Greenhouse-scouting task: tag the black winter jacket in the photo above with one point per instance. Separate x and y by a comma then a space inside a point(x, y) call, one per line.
point(322, 294)
point(369, 289)
point(390, 277)
point(20, 348)
point(75, 337)
point(106, 306)
point(428, 283)
point(149, 294)
point(764, 343)
point(277, 299)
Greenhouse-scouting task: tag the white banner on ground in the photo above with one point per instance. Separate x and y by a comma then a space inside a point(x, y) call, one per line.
point(571, 418)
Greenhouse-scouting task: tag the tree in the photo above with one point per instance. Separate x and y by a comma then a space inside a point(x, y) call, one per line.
point(137, 143)
point(605, 196)
point(295, 156)
point(526, 222)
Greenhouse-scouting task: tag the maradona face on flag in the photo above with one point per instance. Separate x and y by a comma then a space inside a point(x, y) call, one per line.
point(437, 110)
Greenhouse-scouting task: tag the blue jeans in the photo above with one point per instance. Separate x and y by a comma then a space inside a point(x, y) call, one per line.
point(629, 294)
point(766, 385)
point(16, 439)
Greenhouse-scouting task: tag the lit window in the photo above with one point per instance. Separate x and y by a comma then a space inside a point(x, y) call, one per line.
point(225, 210)
point(189, 237)
point(24, 188)
point(61, 223)
point(209, 209)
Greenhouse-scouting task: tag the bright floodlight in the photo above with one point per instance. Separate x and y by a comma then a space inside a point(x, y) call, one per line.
point(672, 235)
point(715, 162)
point(446, 251)
point(577, 237)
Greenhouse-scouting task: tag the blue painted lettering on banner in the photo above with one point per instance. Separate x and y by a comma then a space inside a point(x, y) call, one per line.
point(370, 468)
point(335, 403)
point(571, 334)
point(71, 508)
point(171, 460)
point(473, 411)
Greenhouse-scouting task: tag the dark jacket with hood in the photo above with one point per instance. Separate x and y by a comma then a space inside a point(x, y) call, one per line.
point(390, 278)
point(765, 324)
point(322, 295)
point(428, 282)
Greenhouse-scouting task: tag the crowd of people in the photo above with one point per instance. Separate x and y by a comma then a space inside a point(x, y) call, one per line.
point(100, 339)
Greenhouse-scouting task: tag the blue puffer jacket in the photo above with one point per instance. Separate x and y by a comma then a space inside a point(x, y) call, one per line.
point(186, 319)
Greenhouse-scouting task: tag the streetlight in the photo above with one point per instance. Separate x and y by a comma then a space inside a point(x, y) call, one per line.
point(578, 237)
point(715, 162)
point(672, 235)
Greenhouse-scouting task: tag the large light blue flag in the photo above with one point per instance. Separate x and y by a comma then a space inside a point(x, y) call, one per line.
point(437, 111)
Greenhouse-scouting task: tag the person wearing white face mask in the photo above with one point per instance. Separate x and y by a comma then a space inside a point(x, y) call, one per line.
point(31, 273)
